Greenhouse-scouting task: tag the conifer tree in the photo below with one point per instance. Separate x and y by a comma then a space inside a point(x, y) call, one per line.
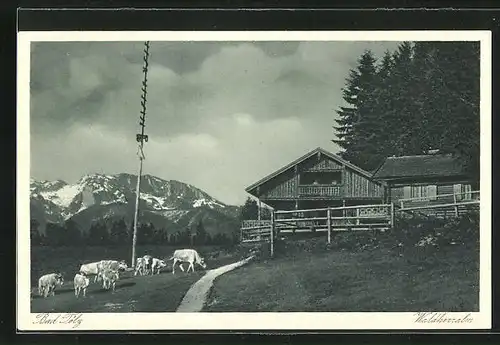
point(357, 122)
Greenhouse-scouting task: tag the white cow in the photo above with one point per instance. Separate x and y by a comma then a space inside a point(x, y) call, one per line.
point(148, 263)
point(113, 265)
point(109, 278)
point(140, 266)
point(157, 266)
point(187, 255)
point(48, 283)
point(89, 269)
point(94, 268)
point(80, 283)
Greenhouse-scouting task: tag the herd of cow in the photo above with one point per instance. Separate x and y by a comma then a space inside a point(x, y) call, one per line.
point(107, 271)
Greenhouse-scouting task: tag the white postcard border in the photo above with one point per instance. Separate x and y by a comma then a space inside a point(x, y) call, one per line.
point(27, 321)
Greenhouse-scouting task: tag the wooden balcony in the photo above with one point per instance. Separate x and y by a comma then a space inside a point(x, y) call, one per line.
point(320, 190)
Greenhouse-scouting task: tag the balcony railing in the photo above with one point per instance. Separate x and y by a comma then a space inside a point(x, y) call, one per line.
point(320, 190)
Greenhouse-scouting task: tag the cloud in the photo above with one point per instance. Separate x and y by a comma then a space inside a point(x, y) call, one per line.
point(220, 115)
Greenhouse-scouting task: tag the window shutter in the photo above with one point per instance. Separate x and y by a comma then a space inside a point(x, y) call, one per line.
point(457, 189)
point(467, 189)
point(406, 192)
point(432, 192)
point(423, 191)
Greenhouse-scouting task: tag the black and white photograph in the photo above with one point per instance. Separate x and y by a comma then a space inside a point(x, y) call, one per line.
point(254, 180)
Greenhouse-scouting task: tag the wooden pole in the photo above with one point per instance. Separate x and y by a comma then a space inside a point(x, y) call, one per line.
point(140, 139)
point(272, 233)
point(329, 223)
point(392, 215)
point(296, 207)
point(357, 216)
point(241, 232)
point(455, 202)
point(258, 211)
point(136, 212)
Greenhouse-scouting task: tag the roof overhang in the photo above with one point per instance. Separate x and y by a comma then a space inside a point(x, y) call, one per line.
point(291, 165)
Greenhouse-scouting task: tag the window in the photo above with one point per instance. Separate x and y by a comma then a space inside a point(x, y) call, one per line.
point(425, 192)
point(467, 190)
point(457, 190)
point(406, 192)
point(432, 192)
point(418, 191)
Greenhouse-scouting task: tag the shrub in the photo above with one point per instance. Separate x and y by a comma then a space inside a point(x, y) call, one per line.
point(419, 231)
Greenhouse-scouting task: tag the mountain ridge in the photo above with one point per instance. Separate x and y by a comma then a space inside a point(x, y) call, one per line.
point(168, 204)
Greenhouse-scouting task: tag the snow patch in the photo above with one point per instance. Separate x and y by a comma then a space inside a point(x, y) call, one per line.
point(209, 203)
point(158, 203)
point(64, 196)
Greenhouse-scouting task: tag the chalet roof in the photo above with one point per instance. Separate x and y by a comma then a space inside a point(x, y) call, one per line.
point(303, 158)
point(419, 166)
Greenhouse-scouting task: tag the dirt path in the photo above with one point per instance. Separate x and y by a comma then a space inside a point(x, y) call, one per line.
point(196, 296)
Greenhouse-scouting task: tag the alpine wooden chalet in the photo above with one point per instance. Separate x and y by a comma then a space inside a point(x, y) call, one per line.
point(318, 179)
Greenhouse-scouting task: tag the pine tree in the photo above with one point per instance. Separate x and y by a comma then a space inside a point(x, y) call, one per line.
point(35, 237)
point(98, 234)
point(72, 234)
point(358, 122)
point(385, 108)
point(145, 233)
point(457, 68)
point(249, 210)
point(55, 234)
point(118, 232)
point(201, 234)
point(423, 96)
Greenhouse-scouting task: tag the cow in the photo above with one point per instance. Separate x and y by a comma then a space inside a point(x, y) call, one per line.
point(148, 263)
point(109, 278)
point(187, 255)
point(91, 268)
point(113, 265)
point(81, 282)
point(140, 266)
point(48, 283)
point(94, 268)
point(157, 266)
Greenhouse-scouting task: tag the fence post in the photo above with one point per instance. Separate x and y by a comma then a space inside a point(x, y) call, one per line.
point(357, 216)
point(455, 202)
point(272, 233)
point(329, 223)
point(392, 215)
point(401, 204)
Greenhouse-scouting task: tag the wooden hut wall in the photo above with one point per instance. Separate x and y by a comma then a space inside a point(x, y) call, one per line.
point(359, 186)
point(282, 186)
point(324, 163)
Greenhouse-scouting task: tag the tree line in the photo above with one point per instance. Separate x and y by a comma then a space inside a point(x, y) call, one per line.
point(250, 211)
point(423, 96)
point(118, 233)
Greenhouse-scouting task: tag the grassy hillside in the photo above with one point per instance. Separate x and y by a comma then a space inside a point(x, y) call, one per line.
point(372, 280)
point(422, 265)
point(159, 293)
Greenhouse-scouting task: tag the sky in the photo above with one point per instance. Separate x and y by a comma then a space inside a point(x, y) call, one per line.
point(220, 115)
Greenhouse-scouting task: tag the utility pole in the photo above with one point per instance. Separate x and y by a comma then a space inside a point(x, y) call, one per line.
point(141, 138)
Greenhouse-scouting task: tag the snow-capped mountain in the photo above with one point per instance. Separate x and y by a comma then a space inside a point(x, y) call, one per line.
point(98, 196)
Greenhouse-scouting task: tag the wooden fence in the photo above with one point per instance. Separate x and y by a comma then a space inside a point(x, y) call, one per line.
point(346, 218)
point(441, 205)
point(362, 217)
